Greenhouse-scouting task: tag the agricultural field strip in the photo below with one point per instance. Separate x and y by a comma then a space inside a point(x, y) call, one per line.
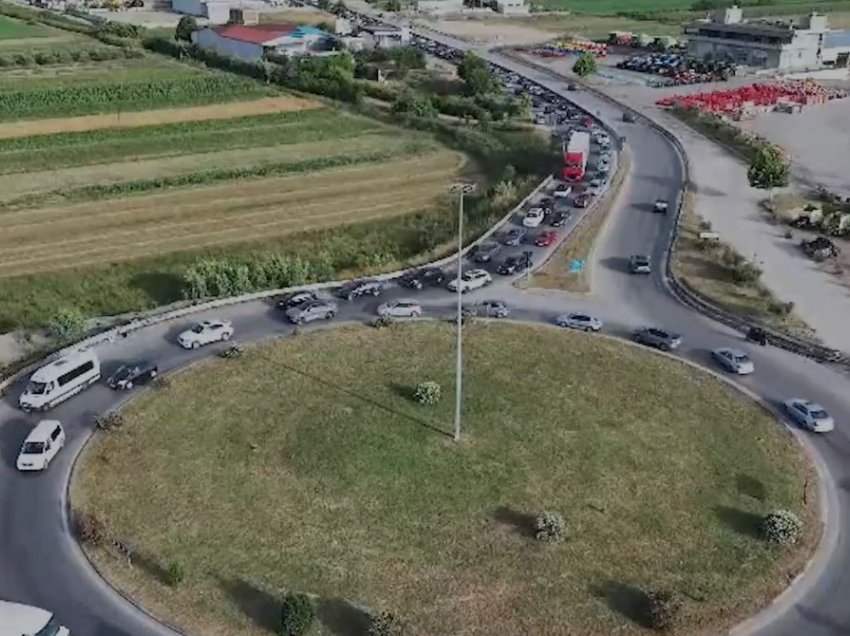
point(396, 205)
point(27, 43)
point(421, 179)
point(117, 71)
point(156, 116)
point(155, 146)
point(249, 192)
point(212, 208)
point(12, 186)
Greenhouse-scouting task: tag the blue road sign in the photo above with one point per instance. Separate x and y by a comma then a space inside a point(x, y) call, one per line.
point(576, 266)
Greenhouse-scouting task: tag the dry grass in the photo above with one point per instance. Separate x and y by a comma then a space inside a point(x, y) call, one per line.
point(16, 185)
point(309, 468)
point(555, 273)
point(296, 16)
point(703, 269)
point(263, 106)
point(50, 239)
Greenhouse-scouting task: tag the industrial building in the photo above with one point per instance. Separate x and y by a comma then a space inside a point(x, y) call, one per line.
point(383, 36)
point(252, 42)
point(216, 11)
point(763, 44)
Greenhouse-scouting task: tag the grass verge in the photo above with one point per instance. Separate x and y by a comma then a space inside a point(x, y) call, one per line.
point(11, 29)
point(555, 273)
point(702, 266)
point(661, 476)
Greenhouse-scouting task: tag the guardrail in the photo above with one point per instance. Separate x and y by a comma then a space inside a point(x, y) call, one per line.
point(172, 312)
point(680, 289)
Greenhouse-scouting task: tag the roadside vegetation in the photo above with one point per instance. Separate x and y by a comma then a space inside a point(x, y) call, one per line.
point(541, 534)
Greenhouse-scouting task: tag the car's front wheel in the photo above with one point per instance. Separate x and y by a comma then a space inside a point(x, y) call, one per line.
point(152, 374)
point(329, 315)
point(196, 344)
point(664, 346)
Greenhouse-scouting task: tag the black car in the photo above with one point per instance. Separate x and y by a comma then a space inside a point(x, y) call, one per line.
point(514, 264)
point(358, 288)
point(559, 219)
point(293, 300)
point(419, 278)
point(514, 236)
point(485, 252)
point(127, 375)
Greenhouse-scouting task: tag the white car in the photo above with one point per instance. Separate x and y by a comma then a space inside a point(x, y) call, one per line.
point(562, 191)
point(604, 167)
point(734, 360)
point(534, 217)
point(400, 309)
point(473, 279)
point(206, 332)
point(810, 415)
point(41, 445)
point(579, 321)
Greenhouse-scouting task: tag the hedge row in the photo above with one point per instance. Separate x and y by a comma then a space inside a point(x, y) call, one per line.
point(59, 56)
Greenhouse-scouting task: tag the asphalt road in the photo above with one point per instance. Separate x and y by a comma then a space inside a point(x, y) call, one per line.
point(41, 564)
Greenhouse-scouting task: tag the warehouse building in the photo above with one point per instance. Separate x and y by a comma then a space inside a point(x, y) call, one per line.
point(384, 36)
point(780, 45)
point(252, 42)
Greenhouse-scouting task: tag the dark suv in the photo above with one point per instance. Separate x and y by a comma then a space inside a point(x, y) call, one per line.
point(419, 278)
point(358, 288)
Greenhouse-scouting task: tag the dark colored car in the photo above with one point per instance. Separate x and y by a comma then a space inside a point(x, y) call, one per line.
point(293, 300)
point(514, 236)
point(659, 338)
point(514, 264)
point(485, 252)
point(559, 218)
point(419, 278)
point(358, 288)
point(133, 373)
point(628, 117)
point(582, 200)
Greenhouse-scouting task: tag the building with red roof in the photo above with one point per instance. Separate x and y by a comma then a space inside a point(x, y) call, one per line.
point(251, 42)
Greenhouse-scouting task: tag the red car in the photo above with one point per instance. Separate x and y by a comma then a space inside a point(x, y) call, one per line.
point(547, 238)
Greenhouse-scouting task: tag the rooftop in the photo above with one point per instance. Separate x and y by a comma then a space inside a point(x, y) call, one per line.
point(262, 33)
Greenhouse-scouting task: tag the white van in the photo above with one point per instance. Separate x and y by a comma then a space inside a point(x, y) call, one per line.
point(59, 380)
point(25, 620)
point(41, 445)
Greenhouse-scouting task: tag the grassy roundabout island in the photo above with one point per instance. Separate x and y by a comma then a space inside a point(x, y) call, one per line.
point(305, 465)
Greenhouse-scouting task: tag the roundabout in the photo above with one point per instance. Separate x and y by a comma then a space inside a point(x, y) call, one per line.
point(310, 467)
point(42, 564)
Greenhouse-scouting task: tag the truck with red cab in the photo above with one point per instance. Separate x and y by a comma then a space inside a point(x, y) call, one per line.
point(575, 156)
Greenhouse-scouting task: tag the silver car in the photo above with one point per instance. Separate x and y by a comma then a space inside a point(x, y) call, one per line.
point(579, 321)
point(491, 309)
point(734, 360)
point(319, 309)
point(659, 338)
point(400, 309)
point(640, 264)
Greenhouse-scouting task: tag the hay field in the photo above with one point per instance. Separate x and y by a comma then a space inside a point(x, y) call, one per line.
point(50, 239)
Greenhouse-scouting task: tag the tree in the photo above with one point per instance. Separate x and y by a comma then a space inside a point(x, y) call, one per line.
point(67, 325)
point(768, 170)
point(185, 28)
point(782, 527)
point(296, 615)
point(412, 103)
point(585, 65)
point(477, 76)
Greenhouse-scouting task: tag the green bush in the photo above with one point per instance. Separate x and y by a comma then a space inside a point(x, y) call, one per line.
point(296, 615)
point(781, 527)
point(746, 273)
point(550, 527)
point(382, 321)
point(175, 574)
point(662, 609)
point(110, 421)
point(231, 277)
point(428, 393)
point(585, 65)
point(67, 325)
point(387, 624)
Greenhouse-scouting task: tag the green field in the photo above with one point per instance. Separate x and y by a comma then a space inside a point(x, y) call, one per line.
point(314, 470)
point(11, 29)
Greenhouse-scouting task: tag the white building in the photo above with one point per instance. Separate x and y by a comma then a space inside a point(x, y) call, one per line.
point(251, 42)
point(216, 11)
point(439, 6)
point(511, 7)
point(384, 36)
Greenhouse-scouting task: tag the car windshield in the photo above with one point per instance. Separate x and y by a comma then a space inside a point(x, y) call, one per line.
point(740, 358)
point(37, 388)
point(198, 329)
point(51, 629)
point(32, 448)
point(819, 414)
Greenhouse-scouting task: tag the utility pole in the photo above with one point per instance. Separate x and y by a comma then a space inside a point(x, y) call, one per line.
point(461, 188)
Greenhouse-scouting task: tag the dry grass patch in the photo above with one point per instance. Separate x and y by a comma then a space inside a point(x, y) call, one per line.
point(310, 468)
point(555, 273)
point(264, 106)
point(55, 238)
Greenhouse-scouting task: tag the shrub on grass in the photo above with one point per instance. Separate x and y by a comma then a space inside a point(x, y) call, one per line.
point(428, 393)
point(109, 421)
point(296, 615)
point(160, 383)
point(387, 624)
point(550, 527)
point(746, 273)
point(175, 574)
point(781, 527)
point(662, 608)
point(382, 321)
point(67, 325)
point(89, 529)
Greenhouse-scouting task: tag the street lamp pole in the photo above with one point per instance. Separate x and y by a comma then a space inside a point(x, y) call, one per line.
point(461, 189)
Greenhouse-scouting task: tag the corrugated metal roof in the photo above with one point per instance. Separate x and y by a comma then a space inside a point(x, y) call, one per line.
point(837, 39)
point(263, 33)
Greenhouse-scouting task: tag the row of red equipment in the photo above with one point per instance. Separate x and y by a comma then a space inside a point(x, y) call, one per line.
point(732, 102)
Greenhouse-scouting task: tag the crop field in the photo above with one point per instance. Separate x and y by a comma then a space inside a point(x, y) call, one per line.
point(11, 29)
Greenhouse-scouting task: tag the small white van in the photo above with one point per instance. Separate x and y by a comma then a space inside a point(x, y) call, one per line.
point(41, 445)
point(24, 620)
point(59, 380)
